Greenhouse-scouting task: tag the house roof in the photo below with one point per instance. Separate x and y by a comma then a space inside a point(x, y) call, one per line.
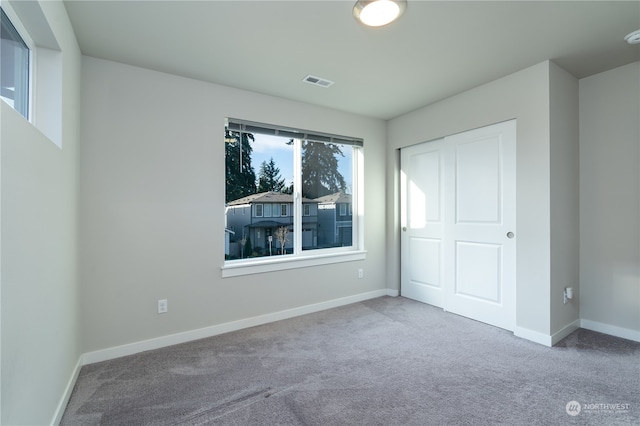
point(269, 224)
point(338, 197)
point(267, 197)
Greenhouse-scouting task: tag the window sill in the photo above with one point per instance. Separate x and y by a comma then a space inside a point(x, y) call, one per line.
point(262, 265)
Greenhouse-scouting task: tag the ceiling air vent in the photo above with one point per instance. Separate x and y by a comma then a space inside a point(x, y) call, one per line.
point(317, 81)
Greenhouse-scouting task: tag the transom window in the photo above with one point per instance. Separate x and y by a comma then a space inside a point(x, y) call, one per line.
point(289, 179)
point(14, 63)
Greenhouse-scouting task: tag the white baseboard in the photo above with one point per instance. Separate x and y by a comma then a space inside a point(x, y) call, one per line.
point(62, 405)
point(613, 330)
point(187, 336)
point(543, 339)
point(393, 293)
point(556, 337)
point(533, 336)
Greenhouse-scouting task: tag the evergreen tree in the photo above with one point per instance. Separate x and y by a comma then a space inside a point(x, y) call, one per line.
point(240, 175)
point(320, 174)
point(287, 189)
point(269, 178)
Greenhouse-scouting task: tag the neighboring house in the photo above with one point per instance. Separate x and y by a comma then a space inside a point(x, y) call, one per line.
point(335, 215)
point(258, 216)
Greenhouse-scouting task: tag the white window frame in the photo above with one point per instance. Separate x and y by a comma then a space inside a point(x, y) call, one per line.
point(283, 208)
point(306, 258)
point(255, 210)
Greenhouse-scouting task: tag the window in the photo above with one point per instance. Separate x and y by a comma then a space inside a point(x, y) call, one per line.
point(14, 81)
point(31, 67)
point(300, 171)
point(343, 209)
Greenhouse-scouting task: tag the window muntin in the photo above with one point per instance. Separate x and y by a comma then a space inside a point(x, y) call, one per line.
point(296, 173)
point(15, 71)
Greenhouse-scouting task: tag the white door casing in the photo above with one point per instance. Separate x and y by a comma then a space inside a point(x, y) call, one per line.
point(458, 252)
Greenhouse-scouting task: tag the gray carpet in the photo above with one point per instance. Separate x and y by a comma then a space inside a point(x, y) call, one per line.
point(386, 361)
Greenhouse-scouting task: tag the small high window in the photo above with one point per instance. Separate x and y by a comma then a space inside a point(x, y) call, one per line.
point(14, 63)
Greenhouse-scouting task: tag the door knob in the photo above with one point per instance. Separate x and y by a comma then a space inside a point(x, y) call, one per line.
point(404, 229)
point(510, 235)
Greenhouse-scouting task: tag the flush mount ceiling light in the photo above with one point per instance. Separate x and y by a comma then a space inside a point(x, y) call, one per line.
point(633, 38)
point(376, 13)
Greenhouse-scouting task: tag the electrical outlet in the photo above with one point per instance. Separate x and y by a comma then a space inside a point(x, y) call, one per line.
point(360, 273)
point(567, 294)
point(163, 306)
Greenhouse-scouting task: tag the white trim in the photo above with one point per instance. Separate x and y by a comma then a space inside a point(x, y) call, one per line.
point(534, 336)
point(393, 293)
point(187, 336)
point(64, 400)
point(280, 263)
point(567, 330)
point(625, 333)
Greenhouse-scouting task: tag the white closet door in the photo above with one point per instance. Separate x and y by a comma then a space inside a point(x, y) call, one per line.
point(422, 201)
point(465, 262)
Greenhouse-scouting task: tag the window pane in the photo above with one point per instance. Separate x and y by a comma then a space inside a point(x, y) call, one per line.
point(260, 181)
point(327, 174)
point(259, 175)
point(14, 81)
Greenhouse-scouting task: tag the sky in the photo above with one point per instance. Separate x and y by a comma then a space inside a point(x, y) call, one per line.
point(266, 147)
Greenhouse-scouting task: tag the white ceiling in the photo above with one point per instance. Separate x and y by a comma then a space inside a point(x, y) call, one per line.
point(435, 50)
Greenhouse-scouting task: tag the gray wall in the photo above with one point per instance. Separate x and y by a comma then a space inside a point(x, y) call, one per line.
point(40, 339)
point(152, 207)
point(610, 201)
point(565, 230)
